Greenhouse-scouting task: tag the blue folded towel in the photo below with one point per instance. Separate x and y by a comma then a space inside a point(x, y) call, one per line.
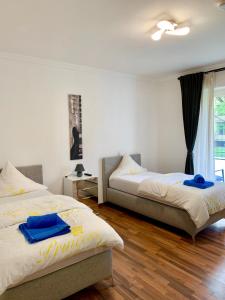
point(198, 182)
point(35, 235)
point(199, 178)
point(42, 221)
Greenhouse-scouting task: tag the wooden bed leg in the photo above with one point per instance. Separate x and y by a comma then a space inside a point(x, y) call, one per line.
point(111, 279)
point(193, 239)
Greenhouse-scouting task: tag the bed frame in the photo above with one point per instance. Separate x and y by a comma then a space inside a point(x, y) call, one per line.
point(64, 282)
point(34, 172)
point(170, 215)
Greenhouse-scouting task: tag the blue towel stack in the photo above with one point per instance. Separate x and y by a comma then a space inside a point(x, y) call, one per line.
point(39, 228)
point(199, 182)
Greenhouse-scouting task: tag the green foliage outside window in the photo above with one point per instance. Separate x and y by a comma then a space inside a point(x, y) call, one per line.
point(219, 152)
point(219, 111)
point(219, 107)
point(220, 128)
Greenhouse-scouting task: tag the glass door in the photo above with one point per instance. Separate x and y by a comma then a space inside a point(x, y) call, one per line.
point(219, 133)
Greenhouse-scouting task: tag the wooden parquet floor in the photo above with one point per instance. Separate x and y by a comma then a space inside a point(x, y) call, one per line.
point(160, 262)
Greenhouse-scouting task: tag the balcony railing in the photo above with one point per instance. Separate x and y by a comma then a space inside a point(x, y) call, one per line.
point(219, 169)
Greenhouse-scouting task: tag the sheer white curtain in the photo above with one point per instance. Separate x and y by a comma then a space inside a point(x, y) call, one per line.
point(204, 145)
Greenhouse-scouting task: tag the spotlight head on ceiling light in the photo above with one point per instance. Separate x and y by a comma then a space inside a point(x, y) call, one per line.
point(170, 28)
point(179, 31)
point(166, 25)
point(157, 35)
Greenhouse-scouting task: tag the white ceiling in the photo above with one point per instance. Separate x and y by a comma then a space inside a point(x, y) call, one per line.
point(113, 34)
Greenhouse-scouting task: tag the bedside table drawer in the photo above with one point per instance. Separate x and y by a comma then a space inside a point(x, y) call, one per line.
point(87, 186)
point(94, 191)
point(81, 184)
point(81, 187)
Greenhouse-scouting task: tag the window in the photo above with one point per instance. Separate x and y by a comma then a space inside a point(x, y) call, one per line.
point(219, 133)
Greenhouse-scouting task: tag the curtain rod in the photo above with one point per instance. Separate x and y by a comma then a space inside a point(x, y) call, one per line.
point(207, 72)
point(215, 70)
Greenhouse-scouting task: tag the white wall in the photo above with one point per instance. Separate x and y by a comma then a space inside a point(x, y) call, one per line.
point(146, 125)
point(220, 79)
point(118, 116)
point(171, 143)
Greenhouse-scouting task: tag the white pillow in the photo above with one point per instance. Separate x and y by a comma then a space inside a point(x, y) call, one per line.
point(13, 183)
point(127, 166)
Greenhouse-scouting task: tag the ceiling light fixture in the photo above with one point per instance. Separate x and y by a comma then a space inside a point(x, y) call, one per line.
point(170, 28)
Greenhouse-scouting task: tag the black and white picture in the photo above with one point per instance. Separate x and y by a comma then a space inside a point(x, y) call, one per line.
point(75, 119)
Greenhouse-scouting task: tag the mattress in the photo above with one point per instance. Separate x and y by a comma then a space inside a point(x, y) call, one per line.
point(63, 264)
point(129, 183)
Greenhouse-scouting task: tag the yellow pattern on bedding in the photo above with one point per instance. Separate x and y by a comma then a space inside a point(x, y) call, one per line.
point(213, 205)
point(14, 192)
point(54, 248)
point(76, 230)
point(13, 213)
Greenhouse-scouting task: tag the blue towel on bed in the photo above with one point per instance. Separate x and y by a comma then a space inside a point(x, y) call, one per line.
point(199, 178)
point(35, 235)
point(42, 221)
point(199, 182)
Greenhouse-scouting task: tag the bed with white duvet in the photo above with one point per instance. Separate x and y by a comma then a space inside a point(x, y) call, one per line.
point(19, 259)
point(21, 262)
point(129, 185)
point(169, 189)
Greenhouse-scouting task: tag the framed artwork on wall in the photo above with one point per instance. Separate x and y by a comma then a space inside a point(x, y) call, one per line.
point(75, 124)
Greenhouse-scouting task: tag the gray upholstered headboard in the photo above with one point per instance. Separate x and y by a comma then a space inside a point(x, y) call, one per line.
point(32, 172)
point(109, 164)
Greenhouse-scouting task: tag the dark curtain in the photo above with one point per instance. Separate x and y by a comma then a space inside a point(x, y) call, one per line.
point(191, 90)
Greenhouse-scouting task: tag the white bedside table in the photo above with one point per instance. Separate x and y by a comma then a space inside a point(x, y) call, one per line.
point(73, 186)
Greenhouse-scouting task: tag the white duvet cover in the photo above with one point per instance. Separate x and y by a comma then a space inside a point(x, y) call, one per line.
point(169, 189)
point(19, 259)
point(24, 196)
point(129, 183)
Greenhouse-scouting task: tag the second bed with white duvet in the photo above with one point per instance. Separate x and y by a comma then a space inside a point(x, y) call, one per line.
point(169, 189)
